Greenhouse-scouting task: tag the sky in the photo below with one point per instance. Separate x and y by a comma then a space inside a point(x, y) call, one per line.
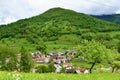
point(13, 10)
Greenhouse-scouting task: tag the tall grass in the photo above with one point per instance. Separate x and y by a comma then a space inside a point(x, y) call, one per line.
point(54, 76)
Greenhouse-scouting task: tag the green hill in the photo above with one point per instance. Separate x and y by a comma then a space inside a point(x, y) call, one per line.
point(59, 29)
point(112, 18)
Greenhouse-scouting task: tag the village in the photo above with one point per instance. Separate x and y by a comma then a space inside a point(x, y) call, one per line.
point(59, 60)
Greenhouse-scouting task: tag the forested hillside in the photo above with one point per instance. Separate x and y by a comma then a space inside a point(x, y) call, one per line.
point(59, 28)
point(112, 18)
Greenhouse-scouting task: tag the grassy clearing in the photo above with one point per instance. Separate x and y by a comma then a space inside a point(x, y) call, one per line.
point(64, 42)
point(54, 76)
point(77, 62)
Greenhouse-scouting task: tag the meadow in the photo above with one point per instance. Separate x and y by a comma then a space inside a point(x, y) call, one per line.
point(55, 76)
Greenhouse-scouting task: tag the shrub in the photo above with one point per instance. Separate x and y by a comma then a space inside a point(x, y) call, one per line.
point(51, 68)
point(26, 62)
point(45, 68)
point(42, 69)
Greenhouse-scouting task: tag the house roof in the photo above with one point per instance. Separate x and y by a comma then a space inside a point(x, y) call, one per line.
point(57, 56)
point(68, 64)
point(80, 69)
point(40, 59)
point(76, 68)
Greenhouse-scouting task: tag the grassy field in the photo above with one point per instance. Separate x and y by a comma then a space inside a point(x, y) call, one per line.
point(64, 42)
point(54, 76)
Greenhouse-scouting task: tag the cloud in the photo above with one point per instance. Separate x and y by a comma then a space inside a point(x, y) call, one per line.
point(118, 12)
point(12, 10)
point(7, 20)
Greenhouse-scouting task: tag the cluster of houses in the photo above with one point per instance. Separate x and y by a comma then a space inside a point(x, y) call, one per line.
point(60, 60)
point(57, 58)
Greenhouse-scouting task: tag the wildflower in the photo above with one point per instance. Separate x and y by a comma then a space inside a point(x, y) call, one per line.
point(17, 76)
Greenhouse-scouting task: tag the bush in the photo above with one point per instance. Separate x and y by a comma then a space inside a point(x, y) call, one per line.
point(42, 69)
point(8, 58)
point(26, 62)
point(45, 68)
point(9, 66)
point(51, 68)
point(63, 70)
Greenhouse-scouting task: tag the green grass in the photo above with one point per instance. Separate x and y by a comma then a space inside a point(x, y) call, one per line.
point(64, 42)
point(112, 33)
point(54, 76)
point(79, 63)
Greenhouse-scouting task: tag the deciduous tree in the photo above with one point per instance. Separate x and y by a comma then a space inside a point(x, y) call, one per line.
point(95, 52)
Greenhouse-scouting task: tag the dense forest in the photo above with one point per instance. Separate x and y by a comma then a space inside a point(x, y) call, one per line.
point(59, 28)
point(112, 18)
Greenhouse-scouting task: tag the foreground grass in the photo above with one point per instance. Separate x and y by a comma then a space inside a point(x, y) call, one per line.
point(54, 76)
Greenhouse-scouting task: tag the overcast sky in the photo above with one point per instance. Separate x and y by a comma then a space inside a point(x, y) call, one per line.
point(12, 10)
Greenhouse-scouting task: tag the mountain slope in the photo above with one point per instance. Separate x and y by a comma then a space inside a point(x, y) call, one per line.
point(112, 18)
point(56, 17)
point(61, 26)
